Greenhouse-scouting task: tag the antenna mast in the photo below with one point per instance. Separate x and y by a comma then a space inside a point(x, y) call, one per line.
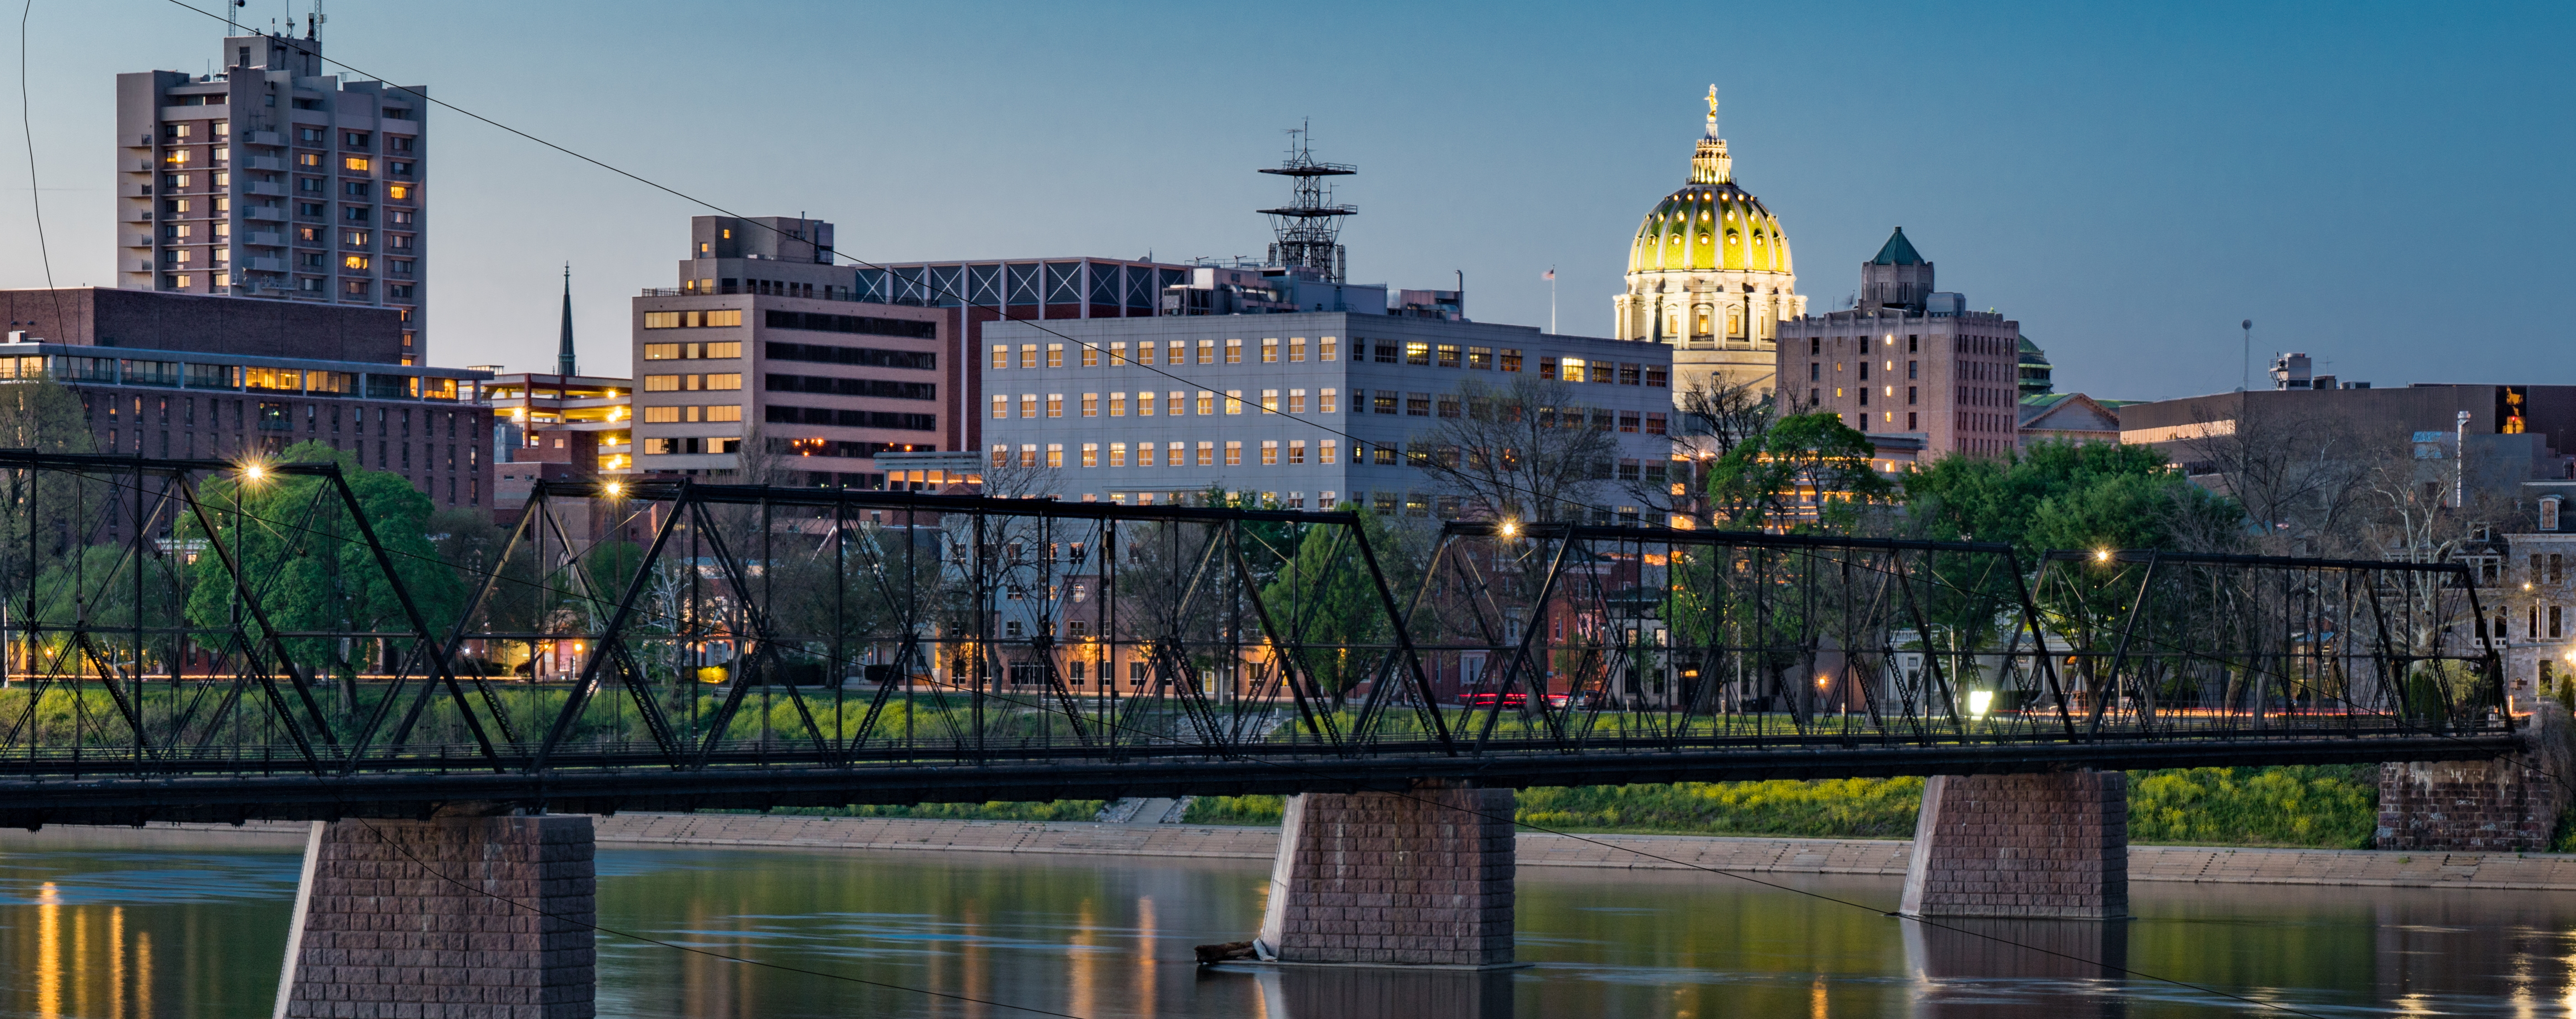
point(1309, 227)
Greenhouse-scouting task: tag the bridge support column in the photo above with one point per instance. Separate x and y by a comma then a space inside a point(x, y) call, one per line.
point(1416, 878)
point(2027, 846)
point(466, 917)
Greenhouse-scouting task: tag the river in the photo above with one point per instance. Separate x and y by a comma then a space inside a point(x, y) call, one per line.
point(105, 924)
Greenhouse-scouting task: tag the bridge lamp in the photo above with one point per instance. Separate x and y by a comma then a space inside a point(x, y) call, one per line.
point(613, 489)
point(254, 471)
point(1509, 529)
point(1979, 701)
point(2102, 555)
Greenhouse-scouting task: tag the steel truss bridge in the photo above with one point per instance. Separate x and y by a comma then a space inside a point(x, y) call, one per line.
point(205, 640)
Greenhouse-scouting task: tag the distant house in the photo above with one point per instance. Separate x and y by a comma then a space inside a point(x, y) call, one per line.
point(2067, 417)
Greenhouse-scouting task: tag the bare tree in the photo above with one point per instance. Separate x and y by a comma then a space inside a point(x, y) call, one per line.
point(2301, 475)
point(1527, 450)
point(1711, 418)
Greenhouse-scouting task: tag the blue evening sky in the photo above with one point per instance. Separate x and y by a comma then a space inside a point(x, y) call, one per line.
point(2382, 186)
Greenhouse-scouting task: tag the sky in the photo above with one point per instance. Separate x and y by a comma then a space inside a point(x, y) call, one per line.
point(2381, 186)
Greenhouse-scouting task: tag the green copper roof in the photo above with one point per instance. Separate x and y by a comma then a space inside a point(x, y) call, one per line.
point(1898, 251)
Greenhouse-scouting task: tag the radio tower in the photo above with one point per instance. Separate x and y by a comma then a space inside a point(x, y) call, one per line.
point(1309, 228)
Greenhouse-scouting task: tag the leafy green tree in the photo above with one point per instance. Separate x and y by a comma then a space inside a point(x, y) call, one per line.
point(2068, 496)
point(307, 563)
point(1756, 484)
point(1324, 601)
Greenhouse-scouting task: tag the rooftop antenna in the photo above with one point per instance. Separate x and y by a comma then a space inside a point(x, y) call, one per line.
point(232, 18)
point(1309, 227)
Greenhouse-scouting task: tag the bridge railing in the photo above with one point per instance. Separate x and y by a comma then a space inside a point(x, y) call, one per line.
point(178, 618)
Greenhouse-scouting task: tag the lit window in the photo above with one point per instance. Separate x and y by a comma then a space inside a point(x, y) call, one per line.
point(729, 380)
point(1234, 401)
point(1091, 454)
point(1001, 357)
point(1055, 355)
point(398, 192)
point(1118, 405)
point(1207, 403)
point(1001, 406)
point(661, 415)
point(661, 383)
point(1207, 454)
point(1207, 351)
point(1269, 452)
point(354, 262)
point(1325, 452)
point(1055, 454)
point(1090, 405)
point(1233, 453)
point(1270, 350)
point(1296, 401)
point(1028, 405)
point(1055, 405)
point(1117, 454)
point(1234, 351)
point(358, 163)
point(1324, 404)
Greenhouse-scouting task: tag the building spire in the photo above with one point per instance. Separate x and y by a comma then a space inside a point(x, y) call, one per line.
point(563, 354)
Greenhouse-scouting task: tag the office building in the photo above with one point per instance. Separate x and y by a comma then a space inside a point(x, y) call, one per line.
point(271, 179)
point(1304, 409)
point(1909, 360)
point(199, 377)
point(1709, 274)
point(765, 339)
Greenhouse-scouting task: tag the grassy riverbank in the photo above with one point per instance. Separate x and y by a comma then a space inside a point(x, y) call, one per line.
point(2326, 807)
point(2332, 807)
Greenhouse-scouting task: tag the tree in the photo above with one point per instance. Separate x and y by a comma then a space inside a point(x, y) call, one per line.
point(2067, 495)
point(1323, 597)
point(1711, 418)
point(305, 559)
point(1810, 459)
point(1527, 450)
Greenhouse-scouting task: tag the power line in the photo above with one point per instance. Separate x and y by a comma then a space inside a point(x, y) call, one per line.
point(27, 126)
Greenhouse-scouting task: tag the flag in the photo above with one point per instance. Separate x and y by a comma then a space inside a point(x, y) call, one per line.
point(1551, 274)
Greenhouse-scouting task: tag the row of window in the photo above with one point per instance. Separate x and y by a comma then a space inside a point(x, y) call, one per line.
point(692, 383)
point(1177, 404)
point(858, 325)
point(778, 414)
point(694, 412)
point(1383, 401)
point(1177, 352)
point(865, 357)
point(888, 389)
point(272, 416)
point(719, 318)
point(691, 351)
point(351, 289)
point(1292, 453)
point(192, 375)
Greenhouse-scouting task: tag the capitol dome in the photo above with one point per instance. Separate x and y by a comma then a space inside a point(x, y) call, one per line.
point(1709, 274)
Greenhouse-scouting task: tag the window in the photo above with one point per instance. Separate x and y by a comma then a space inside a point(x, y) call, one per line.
point(1117, 455)
point(1417, 405)
point(1028, 355)
point(1569, 369)
point(1207, 351)
point(1001, 406)
point(354, 262)
point(661, 383)
point(1270, 350)
point(1234, 401)
point(1233, 453)
point(1055, 405)
point(1090, 355)
point(1176, 404)
point(1628, 421)
point(1144, 454)
point(1270, 401)
point(358, 163)
point(356, 214)
point(1296, 401)
point(2549, 514)
point(1324, 402)
point(1207, 403)
point(398, 192)
point(1325, 451)
point(1324, 349)
point(1510, 359)
point(1055, 355)
point(1001, 354)
point(1118, 405)
point(1090, 407)
point(354, 139)
point(399, 168)
point(661, 415)
point(1269, 452)
point(728, 380)
point(1207, 454)
point(1383, 401)
point(1028, 405)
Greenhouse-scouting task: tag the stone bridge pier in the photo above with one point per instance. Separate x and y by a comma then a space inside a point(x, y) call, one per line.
point(451, 918)
point(2032, 847)
point(1419, 878)
point(2507, 805)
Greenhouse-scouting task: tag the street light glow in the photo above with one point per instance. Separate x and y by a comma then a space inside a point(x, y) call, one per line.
point(1510, 529)
point(2102, 555)
point(1979, 701)
point(614, 489)
point(253, 471)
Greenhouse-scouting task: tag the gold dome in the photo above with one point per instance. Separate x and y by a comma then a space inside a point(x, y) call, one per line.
point(1710, 225)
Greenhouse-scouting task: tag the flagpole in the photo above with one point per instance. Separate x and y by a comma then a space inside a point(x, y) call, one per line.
point(1551, 300)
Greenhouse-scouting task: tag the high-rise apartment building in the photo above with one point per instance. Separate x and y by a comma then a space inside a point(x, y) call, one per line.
point(272, 179)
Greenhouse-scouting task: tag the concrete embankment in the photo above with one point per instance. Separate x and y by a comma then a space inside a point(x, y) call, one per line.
point(2351, 867)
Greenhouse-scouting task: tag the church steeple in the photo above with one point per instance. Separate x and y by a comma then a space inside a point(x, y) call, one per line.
point(563, 353)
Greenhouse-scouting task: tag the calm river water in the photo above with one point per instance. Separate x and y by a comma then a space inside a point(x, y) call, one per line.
point(103, 925)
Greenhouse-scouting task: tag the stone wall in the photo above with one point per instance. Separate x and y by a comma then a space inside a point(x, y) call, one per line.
point(2031, 846)
point(2508, 805)
point(1416, 878)
point(446, 919)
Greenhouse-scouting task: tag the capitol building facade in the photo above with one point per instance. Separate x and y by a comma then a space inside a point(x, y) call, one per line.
point(1710, 275)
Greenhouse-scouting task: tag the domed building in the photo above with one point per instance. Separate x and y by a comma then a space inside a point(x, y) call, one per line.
point(1710, 274)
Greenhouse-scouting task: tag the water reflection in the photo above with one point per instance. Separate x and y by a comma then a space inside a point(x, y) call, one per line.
point(116, 924)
